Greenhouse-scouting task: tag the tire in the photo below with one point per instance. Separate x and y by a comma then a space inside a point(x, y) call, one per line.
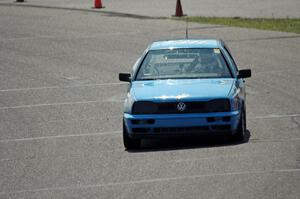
point(130, 143)
point(242, 127)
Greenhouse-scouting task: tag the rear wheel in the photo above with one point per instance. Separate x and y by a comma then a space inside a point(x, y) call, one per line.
point(242, 127)
point(130, 143)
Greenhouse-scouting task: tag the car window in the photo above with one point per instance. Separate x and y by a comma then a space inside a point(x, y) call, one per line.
point(183, 64)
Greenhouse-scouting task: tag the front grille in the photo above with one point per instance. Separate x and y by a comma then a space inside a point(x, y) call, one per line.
point(181, 129)
point(146, 107)
point(191, 107)
point(178, 130)
point(175, 130)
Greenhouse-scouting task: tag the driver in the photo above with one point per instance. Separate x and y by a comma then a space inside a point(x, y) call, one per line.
point(196, 65)
point(205, 64)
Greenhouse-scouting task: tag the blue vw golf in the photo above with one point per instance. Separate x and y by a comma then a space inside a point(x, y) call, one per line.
point(183, 87)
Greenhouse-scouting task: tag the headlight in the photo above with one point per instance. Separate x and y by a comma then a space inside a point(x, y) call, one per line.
point(235, 103)
point(144, 107)
point(128, 103)
point(218, 105)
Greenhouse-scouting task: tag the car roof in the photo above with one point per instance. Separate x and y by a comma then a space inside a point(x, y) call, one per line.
point(185, 43)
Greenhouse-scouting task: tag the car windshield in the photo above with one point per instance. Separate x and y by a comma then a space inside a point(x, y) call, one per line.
point(183, 64)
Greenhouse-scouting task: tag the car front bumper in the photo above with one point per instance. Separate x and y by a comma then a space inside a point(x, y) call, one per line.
point(158, 125)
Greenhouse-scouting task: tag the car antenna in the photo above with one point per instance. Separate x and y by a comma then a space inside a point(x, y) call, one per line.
point(187, 28)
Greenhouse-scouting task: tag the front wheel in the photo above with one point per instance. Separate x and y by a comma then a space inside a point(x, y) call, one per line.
point(241, 131)
point(130, 143)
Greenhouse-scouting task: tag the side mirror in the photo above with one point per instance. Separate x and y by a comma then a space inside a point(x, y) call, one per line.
point(244, 73)
point(124, 77)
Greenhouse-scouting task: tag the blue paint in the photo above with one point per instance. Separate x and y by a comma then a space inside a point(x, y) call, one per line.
point(186, 90)
point(181, 89)
point(191, 43)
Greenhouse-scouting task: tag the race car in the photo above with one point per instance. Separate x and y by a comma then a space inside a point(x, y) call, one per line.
point(184, 87)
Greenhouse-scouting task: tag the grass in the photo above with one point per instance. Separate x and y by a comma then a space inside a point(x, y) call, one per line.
point(282, 24)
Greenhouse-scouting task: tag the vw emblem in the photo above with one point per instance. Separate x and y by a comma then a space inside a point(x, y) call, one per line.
point(181, 106)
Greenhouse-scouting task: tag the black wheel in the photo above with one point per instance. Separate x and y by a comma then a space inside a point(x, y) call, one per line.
point(242, 127)
point(130, 143)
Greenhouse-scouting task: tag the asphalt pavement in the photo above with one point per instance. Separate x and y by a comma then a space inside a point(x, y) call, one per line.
point(166, 8)
point(61, 112)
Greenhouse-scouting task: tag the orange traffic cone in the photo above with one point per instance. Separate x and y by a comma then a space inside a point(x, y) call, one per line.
point(98, 4)
point(178, 12)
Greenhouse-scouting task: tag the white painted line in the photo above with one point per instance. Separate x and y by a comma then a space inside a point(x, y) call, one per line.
point(29, 37)
point(60, 136)
point(74, 119)
point(41, 37)
point(57, 104)
point(62, 87)
point(274, 140)
point(271, 71)
point(153, 180)
point(275, 116)
point(115, 132)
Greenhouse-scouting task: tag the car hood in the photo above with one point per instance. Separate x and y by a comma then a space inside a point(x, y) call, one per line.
point(182, 89)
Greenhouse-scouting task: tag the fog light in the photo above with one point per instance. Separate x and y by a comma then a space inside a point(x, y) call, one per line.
point(148, 121)
point(226, 119)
